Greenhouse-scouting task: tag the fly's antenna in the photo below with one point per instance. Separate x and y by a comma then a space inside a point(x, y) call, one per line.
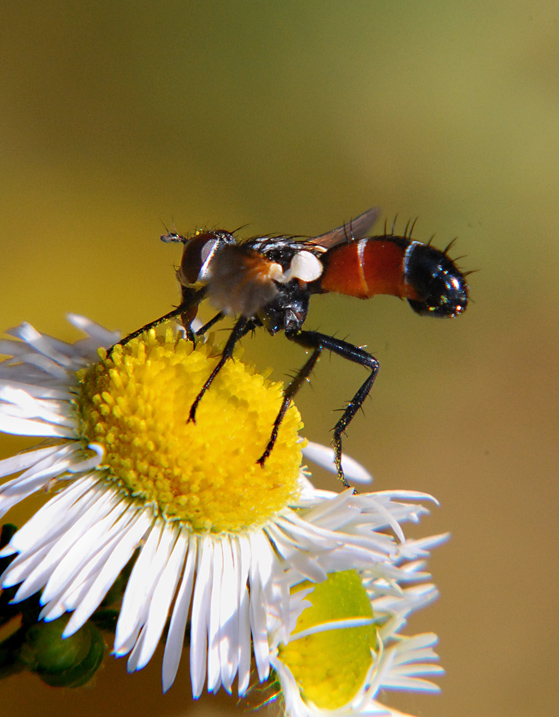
point(173, 237)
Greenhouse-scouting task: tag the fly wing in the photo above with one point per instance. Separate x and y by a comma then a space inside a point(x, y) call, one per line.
point(353, 230)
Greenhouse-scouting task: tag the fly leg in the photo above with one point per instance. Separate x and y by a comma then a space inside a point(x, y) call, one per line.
point(186, 307)
point(301, 376)
point(242, 326)
point(206, 327)
point(319, 342)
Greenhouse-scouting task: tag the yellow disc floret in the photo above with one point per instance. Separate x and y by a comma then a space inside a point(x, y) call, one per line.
point(136, 405)
point(330, 666)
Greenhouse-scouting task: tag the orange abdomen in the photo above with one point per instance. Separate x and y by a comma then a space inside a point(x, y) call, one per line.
point(365, 268)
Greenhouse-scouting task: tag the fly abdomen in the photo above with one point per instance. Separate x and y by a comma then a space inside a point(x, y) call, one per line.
point(397, 266)
point(366, 267)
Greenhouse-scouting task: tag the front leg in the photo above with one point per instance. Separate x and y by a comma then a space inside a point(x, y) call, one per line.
point(187, 308)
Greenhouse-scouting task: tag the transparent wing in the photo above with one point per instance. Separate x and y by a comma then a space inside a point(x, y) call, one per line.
point(354, 229)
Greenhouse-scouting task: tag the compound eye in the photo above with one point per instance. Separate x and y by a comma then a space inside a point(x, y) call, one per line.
point(206, 255)
point(199, 253)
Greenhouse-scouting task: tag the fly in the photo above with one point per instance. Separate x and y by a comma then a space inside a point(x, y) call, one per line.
point(269, 281)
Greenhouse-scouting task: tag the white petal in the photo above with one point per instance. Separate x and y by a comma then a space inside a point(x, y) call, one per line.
point(80, 541)
point(242, 546)
point(17, 572)
point(159, 606)
point(24, 427)
point(20, 404)
point(40, 342)
point(93, 562)
point(199, 620)
point(53, 518)
point(22, 461)
point(229, 617)
point(89, 464)
point(177, 626)
point(34, 478)
point(324, 456)
point(261, 599)
point(146, 570)
point(116, 561)
point(214, 628)
point(100, 335)
point(84, 562)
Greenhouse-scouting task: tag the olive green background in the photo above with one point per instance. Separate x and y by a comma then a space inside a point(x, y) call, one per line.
point(120, 118)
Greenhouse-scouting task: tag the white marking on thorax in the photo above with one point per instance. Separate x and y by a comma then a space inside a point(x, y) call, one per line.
point(304, 266)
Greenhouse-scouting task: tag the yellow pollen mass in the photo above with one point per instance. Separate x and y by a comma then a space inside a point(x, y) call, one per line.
point(136, 405)
point(330, 667)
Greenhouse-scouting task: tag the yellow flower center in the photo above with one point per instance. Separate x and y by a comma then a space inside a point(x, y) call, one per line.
point(330, 667)
point(136, 405)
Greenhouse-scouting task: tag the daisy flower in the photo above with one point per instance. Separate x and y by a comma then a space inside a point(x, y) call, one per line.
point(213, 535)
point(344, 643)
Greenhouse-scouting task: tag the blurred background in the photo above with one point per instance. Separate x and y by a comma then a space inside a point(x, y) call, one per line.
point(118, 119)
